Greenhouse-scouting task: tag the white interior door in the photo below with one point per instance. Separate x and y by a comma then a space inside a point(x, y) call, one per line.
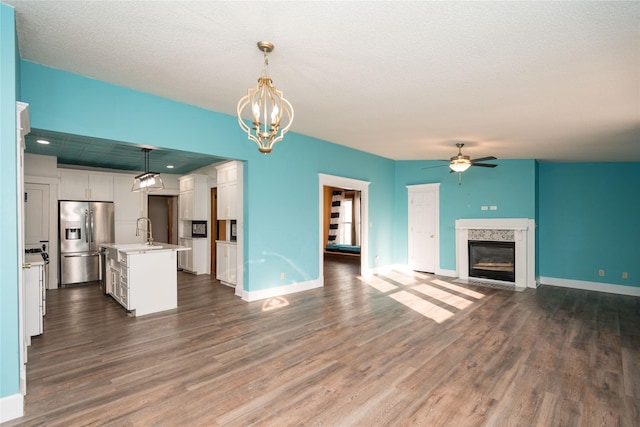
point(423, 227)
point(36, 214)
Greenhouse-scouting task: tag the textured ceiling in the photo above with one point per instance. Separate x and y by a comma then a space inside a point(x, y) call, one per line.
point(404, 80)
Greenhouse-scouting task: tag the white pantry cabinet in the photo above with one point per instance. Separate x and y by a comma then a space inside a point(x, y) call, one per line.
point(83, 185)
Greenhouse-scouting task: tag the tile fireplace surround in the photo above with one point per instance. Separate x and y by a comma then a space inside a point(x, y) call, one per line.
point(518, 230)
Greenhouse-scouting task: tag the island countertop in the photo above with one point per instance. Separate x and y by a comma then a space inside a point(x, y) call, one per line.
point(131, 248)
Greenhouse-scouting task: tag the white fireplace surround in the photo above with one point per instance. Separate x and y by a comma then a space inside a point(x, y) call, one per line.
point(518, 230)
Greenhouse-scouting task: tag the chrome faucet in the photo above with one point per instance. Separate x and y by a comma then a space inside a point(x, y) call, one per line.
point(148, 230)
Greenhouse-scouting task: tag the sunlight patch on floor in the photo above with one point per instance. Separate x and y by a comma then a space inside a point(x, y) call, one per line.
point(377, 283)
point(273, 303)
point(427, 309)
point(457, 288)
point(444, 296)
point(403, 279)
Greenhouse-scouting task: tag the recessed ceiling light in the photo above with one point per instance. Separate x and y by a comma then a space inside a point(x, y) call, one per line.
point(169, 166)
point(43, 142)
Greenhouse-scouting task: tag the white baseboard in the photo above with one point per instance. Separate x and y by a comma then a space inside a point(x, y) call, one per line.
point(280, 290)
point(447, 273)
point(11, 407)
point(591, 286)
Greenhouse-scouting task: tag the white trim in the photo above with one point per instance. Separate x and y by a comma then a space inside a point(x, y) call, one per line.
point(11, 407)
point(591, 286)
point(349, 184)
point(250, 296)
point(427, 188)
point(448, 273)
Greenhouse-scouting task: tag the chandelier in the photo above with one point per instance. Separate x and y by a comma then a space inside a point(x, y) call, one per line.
point(147, 181)
point(268, 109)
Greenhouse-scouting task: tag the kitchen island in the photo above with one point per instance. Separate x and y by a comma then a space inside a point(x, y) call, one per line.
point(142, 277)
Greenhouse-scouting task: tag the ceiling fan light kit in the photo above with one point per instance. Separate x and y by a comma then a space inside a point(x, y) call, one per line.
point(267, 108)
point(461, 163)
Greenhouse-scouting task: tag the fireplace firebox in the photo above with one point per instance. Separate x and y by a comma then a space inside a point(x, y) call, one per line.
point(492, 260)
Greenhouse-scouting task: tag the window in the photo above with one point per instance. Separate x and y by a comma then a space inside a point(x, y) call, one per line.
point(346, 223)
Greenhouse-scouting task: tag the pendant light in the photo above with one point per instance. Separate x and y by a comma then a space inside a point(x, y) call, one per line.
point(147, 181)
point(267, 108)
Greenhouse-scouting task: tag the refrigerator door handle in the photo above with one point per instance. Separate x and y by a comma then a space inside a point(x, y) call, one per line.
point(86, 226)
point(85, 254)
point(92, 237)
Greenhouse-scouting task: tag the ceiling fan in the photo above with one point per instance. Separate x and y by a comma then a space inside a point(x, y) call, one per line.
point(460, 162)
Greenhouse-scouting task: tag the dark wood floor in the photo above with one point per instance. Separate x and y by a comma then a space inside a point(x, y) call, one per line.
point(392, 349)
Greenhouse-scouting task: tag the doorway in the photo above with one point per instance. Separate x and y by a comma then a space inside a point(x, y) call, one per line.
point(163, 213)
point(348, 184)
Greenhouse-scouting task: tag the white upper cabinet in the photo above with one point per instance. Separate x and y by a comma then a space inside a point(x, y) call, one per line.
point(226, 175)
point(82, 185)
point(194, 197)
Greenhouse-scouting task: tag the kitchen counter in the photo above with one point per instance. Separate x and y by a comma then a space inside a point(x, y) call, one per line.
point(142, 277)
point(33, 259)
point(130, 248)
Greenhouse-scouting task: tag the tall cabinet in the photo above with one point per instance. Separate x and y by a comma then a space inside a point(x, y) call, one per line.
point(193, 202)
point(227, 215)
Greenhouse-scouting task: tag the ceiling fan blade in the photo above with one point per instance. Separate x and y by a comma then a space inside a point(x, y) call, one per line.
point(484, 165)
point(482, 159)
point(438, 166)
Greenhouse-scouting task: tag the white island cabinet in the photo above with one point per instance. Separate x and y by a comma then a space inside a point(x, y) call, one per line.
point(141, 277)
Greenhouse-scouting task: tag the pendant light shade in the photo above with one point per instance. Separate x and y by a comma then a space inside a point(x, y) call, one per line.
point(147, 181)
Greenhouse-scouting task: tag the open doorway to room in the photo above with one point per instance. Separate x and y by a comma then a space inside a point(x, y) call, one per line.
point(163, 213)
point(343, 219)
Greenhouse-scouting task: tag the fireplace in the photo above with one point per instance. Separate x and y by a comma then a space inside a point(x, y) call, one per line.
point(519, 233)
point(492, 260)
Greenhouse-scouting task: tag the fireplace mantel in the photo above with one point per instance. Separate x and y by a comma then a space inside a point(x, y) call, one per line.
point(523, 230)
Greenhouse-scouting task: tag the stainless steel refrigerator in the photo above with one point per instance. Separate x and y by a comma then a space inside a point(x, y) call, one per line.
point(83, 226)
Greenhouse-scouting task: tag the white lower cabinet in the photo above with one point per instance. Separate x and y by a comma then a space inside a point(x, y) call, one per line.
point(34, 300)
point(197, 259)
point(226, 260)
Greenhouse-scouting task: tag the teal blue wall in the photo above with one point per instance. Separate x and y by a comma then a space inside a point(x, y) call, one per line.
point(510, 187)
point(584, 203)
point(9, 262)
point(281, 189)
point(589, 221)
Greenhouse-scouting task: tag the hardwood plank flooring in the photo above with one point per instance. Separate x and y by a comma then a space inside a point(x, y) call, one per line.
point(393, 349)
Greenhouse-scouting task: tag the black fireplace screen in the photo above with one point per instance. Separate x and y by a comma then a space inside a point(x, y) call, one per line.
point(492, 260)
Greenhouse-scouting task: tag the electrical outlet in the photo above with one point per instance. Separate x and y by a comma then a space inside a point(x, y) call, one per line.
point(282, 275)
point(625, 275)
point(601, 273)
point(484, 208)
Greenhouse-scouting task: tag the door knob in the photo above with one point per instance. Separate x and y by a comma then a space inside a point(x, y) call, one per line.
point(26, 265)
